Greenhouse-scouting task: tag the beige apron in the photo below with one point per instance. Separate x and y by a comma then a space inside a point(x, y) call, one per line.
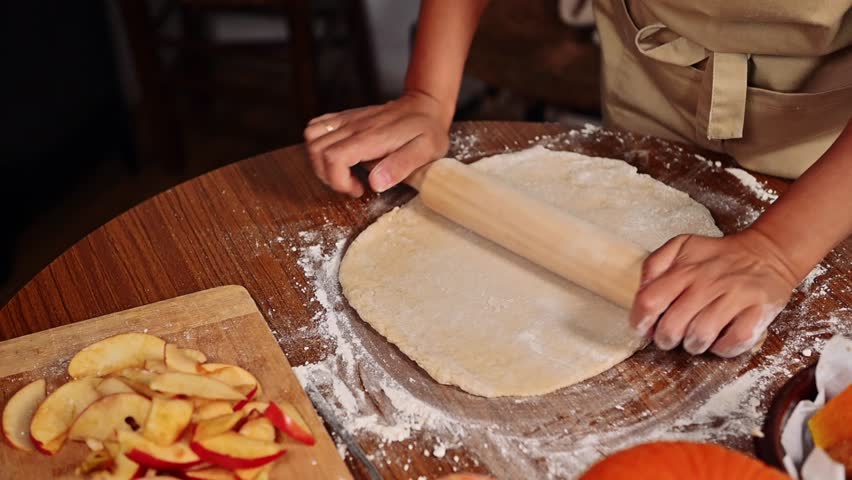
point(768, 82)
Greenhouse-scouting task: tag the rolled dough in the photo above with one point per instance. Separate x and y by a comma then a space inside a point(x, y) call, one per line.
point(475, 315)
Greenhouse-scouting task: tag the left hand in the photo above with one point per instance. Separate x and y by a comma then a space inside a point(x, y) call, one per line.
point(719, 294)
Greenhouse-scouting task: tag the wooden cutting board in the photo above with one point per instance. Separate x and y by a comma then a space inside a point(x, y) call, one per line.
point(222, 322)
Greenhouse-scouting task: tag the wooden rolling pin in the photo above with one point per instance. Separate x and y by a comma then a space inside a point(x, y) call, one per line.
point(567, 246)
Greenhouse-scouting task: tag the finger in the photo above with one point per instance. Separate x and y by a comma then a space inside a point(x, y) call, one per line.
point(705, 328)
point(338, 170)
point(316, 130)
point(374, 143)
point(399, 164)
point(671, 328)
point(654, 298)
point(350, 112)
point(331, 122)
point(316, 151)
point(745, 331)
point(660, 260)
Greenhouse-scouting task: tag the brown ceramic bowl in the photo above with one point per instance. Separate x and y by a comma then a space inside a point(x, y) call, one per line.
point(802, 386)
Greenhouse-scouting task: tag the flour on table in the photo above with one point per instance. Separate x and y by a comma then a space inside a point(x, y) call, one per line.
point(760, 190)
point(352, 373)
point(475, 315)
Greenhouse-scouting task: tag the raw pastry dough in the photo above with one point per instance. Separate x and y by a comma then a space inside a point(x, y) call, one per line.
point(475, 315)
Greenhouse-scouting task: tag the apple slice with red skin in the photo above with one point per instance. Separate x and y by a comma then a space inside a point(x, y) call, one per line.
point(167, 420)
point(109, 415)
point(52, 419)
point(216, 426)
point(18, 414)
point(176, 360)
point(50, 448)
point(177, 456)
point(249, 396)
point(115, 353)
point(286, 418)
point(259, 429)
point(193, 385)
point(234, 451)
point(212, 473)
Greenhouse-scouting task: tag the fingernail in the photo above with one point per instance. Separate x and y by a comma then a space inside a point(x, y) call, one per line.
point(645, 324)
point(696, 345)
point(381, 179)
point(665, 343)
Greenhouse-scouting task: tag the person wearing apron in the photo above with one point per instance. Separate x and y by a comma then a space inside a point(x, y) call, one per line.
point(768, 82)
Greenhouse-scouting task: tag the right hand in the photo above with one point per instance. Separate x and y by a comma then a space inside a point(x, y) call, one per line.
point(404, 134)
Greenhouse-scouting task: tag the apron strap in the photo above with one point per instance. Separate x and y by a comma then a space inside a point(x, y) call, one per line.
point(720, 112)
point(681, 51)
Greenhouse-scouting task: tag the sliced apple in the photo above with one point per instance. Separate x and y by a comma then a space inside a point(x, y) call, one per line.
point(103, 419)
point(123, 469)
point(213, 473)
point(256, 473)
point(139, 380)
point(18, 414)
point(178, 361)
point(213, 409)
point(111, 386)
point(287, 419)
point(156, 366)
point(115, 353)
point(177, 456)
point(193, 385)
point(167, 420)
point(259, 429)
point(194, 354)
point(97, 460)
point(57, 412)
point(94, 445)
point(234, 451)
point(216, 426)
point(230, 374)
point(249, 396)
point(259, 407)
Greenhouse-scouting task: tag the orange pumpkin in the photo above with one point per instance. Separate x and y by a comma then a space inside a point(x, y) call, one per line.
point(680, 461)
point(833, 423)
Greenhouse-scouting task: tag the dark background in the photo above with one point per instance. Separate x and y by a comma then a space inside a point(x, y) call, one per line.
point(106, 103)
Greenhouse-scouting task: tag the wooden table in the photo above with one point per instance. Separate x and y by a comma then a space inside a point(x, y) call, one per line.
point(264, 222)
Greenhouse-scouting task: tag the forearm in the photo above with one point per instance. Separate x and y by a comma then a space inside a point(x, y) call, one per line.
point(815, 214)
point(445, 30)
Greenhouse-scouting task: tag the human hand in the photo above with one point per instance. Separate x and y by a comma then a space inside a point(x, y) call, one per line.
point(406, 133)
point(712, 293)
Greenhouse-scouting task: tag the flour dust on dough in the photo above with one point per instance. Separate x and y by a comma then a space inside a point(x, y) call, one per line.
point(473, 314)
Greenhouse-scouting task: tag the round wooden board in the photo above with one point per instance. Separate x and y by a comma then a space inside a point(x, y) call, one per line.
point(267, 224)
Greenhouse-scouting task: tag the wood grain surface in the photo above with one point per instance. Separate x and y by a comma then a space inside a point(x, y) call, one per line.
point(223, 322)
point(241, 225)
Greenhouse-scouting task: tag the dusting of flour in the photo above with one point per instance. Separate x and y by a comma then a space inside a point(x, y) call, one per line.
point(372, 402)
point(760, 190)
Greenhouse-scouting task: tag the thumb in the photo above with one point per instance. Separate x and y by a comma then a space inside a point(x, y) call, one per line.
point(397, 166)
